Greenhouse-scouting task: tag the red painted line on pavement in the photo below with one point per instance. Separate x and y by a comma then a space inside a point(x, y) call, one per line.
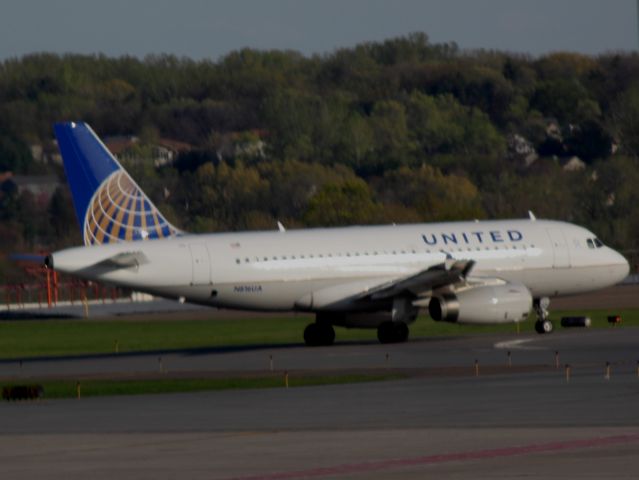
point(446, 458)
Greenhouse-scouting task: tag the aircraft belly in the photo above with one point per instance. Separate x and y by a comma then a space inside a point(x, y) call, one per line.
point(567, 281)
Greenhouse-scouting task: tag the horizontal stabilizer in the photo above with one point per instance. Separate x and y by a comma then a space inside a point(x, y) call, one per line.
point(124, 260)
point(27, 257)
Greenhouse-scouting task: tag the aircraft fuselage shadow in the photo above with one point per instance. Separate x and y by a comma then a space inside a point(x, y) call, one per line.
point(197, 351)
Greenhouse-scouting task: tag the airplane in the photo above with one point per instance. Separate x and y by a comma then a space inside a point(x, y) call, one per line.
point(469, 272)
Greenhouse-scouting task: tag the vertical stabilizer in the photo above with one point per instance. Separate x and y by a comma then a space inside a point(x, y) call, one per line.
point(110, 206)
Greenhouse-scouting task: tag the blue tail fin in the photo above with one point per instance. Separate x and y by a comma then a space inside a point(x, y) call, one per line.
point(109, 204)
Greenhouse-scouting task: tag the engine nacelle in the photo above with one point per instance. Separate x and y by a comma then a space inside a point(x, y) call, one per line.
point(483, 305)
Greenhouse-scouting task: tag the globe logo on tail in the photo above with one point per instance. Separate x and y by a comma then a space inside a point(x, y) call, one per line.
point(120, 211)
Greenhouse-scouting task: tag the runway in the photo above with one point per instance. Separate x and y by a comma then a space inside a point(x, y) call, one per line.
point(526, 420)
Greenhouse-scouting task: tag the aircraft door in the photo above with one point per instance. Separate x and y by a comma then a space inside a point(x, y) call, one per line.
point(201, 264)
point(561, 253)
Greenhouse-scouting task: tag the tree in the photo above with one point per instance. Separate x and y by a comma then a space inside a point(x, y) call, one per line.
point(625, 121)
point(63, 220)
point(441, 125)
point(560, 98)
point(433, 195)
point(292, 184)
point(589, 141)
point(393, 146)
point(346, 203)
point(14, 155)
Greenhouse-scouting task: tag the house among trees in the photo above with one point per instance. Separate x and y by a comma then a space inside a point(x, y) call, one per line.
point(398, 131)
point(41, 187)
point(162, 152)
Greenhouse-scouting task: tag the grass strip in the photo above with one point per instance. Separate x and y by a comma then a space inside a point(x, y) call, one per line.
point(54, 389)
point(21, 339)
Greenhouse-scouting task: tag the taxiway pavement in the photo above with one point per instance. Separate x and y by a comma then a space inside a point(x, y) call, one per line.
point(534, 424)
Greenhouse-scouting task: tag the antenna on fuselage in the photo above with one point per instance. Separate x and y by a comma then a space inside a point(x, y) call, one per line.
point(280, 227)
point(531, 215)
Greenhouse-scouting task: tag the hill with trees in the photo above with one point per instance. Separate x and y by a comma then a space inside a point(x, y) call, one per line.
point(398, 131)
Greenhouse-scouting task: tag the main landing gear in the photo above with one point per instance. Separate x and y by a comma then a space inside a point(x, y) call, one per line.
point(543, 324)
point(319, 334)
point(392, 332)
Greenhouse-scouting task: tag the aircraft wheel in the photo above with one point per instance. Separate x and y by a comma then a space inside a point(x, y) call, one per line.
point(385, 332)
point(318, 334)
point(311, 335)
point(401, 332)
point(543, 326)
point(328, 334)
point(392, 332)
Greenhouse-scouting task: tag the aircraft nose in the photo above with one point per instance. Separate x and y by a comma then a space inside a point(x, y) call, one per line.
point(620, 268)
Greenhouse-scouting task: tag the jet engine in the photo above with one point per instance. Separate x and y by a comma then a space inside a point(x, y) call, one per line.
point(483, 305)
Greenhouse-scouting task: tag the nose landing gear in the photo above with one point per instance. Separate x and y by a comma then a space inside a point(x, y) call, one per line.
point(543, 324)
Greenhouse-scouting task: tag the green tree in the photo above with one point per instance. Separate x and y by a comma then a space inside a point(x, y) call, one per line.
point(292, 184)
point(625, 121)
point(393, 146)
point(14, 155)
point(345, 203)
point(433, 195)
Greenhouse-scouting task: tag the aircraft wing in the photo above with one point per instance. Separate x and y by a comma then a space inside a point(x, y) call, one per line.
point(363, 292)
point(450, 272)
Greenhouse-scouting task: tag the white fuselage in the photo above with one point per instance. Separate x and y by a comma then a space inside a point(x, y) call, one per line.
point(300, 269)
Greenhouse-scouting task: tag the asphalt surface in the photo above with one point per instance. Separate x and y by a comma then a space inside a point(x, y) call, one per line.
point(577, 347)
point(527, 420)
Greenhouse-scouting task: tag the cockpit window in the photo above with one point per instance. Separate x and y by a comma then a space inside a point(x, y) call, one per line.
point(598, 243)
point(591, 244)
point(594, 243)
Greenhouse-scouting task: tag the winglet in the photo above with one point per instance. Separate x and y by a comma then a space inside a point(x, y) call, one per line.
point(109, 205)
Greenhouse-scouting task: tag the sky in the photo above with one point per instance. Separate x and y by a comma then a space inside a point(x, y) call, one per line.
point(212, 28)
